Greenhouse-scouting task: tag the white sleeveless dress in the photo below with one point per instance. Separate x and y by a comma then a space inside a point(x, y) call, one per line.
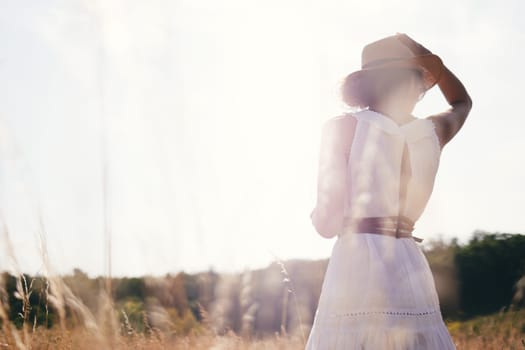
point(378, 292)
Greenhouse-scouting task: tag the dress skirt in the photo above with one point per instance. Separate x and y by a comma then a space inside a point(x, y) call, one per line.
point(378, 294)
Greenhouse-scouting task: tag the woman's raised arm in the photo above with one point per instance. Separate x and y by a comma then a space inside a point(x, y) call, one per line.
point(449, 122)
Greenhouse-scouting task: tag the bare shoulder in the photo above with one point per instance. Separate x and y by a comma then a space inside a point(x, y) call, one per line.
point(448, 123)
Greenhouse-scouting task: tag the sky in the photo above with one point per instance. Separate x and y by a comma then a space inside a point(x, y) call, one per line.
point(188, 131)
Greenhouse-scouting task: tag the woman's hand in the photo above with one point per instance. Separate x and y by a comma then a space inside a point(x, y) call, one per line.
point(413, 45)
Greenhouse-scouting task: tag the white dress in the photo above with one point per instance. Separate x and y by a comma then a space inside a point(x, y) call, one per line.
point(378, 292)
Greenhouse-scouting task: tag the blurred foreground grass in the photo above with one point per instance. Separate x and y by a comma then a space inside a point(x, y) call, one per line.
point(503, 330)
point(263, 307)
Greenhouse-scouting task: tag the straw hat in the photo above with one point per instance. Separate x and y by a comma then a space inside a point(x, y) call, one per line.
point(391, 52)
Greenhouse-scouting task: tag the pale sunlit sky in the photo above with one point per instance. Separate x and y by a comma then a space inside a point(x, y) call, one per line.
point(211, 114)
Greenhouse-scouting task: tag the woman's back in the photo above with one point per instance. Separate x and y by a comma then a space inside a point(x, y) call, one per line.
point(372, 167)
point(391, 168)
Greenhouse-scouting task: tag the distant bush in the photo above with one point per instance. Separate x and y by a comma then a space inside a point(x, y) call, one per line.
point(37, 310)
point(130, 288)
point(488, 268)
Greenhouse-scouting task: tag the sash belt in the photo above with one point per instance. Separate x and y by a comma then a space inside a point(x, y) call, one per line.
point(395, 226)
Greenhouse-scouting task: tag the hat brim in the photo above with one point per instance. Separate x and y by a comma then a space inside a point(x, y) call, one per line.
point(430, 65)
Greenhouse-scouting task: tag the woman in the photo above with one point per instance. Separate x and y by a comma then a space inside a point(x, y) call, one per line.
point(376, 173)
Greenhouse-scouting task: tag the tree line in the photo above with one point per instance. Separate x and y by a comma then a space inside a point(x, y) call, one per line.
point(483, 276)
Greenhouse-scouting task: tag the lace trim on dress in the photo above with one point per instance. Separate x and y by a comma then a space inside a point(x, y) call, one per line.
point(399, 313)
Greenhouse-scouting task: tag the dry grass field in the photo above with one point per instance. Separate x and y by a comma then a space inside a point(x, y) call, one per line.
point(115, 325)
point(505, 330)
